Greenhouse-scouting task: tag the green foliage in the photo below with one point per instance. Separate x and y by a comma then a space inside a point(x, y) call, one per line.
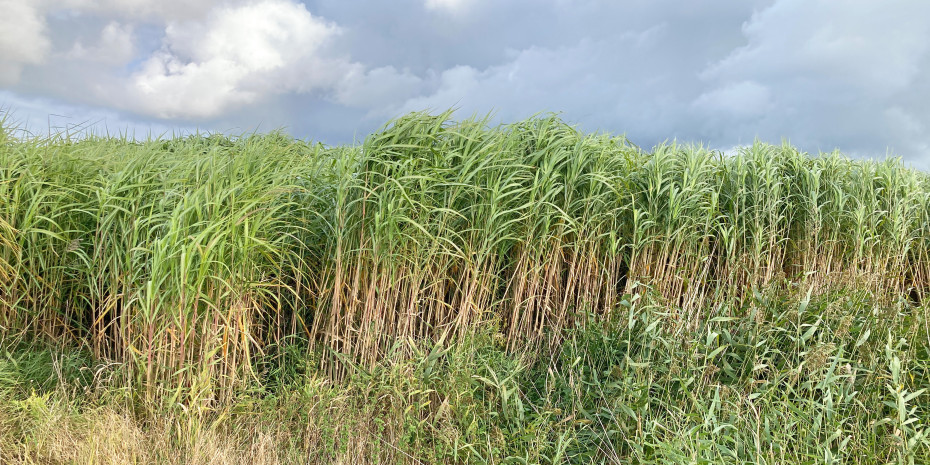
point(471, 294)
point(789, 378)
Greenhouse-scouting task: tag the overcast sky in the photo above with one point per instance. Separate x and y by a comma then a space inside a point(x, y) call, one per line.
point(823, 74)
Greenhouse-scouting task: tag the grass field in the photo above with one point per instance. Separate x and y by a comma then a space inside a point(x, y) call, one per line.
point(452, 292)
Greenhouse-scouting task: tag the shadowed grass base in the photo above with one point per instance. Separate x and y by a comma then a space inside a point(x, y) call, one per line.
point(837, 378)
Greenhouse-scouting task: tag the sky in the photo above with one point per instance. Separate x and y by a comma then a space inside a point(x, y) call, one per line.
point(820, 74)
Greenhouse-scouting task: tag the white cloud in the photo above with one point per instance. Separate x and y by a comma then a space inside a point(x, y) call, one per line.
point(376, 88)
point(23, 38)
point(24, 34)
point(853, 75)
point(236, 56)
point(146, 10)
point(596, 83)
point(828, 74)
point(853, 46)
point(744, 99)
point(113, 47)
point(447, 5)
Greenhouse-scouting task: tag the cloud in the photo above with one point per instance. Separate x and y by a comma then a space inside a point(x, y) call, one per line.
point(145, 10)
point(858, 45)
point(743, 99)
point(376, 88)
point(855, 76)
point(236, 56)
point(40, 117)
point(446, 5)
point(601, 84)
point(23, 38)
point(114, 46)
point(850, 75)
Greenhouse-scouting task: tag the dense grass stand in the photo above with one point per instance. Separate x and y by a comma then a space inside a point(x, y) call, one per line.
point(452, 292)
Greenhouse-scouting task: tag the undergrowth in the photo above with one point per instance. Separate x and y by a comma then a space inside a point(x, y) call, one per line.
point(788, 378)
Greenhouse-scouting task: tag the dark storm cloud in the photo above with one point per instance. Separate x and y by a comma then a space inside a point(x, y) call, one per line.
point(851, 75)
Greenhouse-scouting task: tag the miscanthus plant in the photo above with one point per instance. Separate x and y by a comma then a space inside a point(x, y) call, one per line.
point(186, 257)
point(445, 224)
point(194, 258)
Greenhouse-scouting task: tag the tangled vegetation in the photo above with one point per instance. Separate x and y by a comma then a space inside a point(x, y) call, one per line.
point(451, 292)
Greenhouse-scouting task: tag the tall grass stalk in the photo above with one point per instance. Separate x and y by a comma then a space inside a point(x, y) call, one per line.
point(194, 257)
